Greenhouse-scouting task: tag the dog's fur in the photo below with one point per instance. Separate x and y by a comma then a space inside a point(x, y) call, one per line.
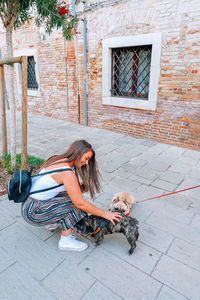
point(127, 226)
point(122, 201)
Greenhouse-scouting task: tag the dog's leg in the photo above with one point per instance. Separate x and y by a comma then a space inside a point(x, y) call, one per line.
point(133, 245)
point(100, 237)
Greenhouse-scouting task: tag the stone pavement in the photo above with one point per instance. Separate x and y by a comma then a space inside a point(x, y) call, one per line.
point(166, 262)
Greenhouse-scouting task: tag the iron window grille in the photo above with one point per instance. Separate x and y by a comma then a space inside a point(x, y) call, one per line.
point(31, 80)
point(131, 71)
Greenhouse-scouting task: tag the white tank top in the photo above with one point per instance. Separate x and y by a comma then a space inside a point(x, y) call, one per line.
point(44, 182)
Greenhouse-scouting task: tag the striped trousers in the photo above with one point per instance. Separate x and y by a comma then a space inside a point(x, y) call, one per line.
point(59, 209)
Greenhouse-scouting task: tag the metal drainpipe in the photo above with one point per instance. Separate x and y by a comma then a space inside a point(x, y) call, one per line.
point(76, 54)
point(65, 57)
point(85, 70)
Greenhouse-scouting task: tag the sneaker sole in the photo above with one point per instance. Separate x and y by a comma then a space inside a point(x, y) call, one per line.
point(73, 249)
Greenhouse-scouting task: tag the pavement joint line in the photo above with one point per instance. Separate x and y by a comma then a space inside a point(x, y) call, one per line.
point(63, 259)
point(95, 281)
point(174, 258)
point(173, 240)
point(9, 225)
point(11, 265)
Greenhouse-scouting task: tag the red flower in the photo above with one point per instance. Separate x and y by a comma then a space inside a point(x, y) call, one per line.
point(63, 11)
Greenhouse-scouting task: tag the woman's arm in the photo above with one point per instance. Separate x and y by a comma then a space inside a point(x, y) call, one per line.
point(72, 187)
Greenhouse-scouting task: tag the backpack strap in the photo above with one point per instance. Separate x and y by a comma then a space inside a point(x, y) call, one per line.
point(49, 172)
point(52, 171)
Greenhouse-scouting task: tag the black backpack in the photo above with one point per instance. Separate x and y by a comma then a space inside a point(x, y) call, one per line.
point(20, 184)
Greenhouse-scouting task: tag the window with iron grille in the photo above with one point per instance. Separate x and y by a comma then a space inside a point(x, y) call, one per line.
point(131, 71)
point(31, 75)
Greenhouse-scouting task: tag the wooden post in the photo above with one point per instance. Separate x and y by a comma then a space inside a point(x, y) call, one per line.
point(24, 112)
point(3, 111)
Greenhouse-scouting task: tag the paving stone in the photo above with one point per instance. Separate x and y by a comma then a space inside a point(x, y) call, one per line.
point(5, 260)
point(188, 183)
point(169, 294)
point(147, 172)
point(6, 217)
point(73, 281)
point(159, 164)
point(183, 165)
point(172, 177)
point(195, 173)
point(121, 186)
point(110, 270)
point(177, 229)
point(29, 250)
point(164, 185)
point(155, 238)
point(16, 283)
point(140, 212)
point(144, 257)
point(168, 206)
point(98, 291)
point(196, 222)
point(179, 277)
point(185, 252)
point(192, 154)
point(144, 192)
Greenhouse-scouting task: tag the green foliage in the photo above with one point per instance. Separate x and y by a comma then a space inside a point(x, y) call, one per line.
point(47, 12)
point(31, 161)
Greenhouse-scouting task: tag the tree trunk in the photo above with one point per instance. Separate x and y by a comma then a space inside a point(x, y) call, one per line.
point(11, 96)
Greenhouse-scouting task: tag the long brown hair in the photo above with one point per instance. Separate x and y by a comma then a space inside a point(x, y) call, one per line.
point(89, 174)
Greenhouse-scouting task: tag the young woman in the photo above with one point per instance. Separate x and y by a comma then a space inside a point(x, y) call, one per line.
point(65, 204)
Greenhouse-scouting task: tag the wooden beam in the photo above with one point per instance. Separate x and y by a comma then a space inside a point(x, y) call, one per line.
point(24, 112)
point(12, 60)
point(3, 111)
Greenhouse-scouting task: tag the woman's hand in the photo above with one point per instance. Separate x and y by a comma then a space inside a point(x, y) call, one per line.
point(112, 216)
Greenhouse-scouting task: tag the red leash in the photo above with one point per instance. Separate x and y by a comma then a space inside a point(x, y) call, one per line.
point(194, 187)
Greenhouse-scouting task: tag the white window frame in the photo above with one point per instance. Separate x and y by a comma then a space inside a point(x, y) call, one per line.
point(28, 52)
point(154, 39)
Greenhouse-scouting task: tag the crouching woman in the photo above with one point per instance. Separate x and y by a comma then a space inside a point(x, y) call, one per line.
point(65, 204)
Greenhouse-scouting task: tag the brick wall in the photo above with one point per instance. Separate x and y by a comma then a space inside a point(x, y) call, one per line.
point(176, 119)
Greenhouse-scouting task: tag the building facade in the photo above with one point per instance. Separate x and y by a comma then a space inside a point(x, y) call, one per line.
point(133, 67)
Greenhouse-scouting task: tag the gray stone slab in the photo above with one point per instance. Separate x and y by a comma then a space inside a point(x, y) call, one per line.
point(170, 206)
point(110, 270)
point(144, 192)
point(98, 291)
point(172, 177)
point(17, 283)
point(117, 186)
point(5, 260)
point(29, 250)
point(159, 164)
point(144, 257)
point(155, 238)
point(183, 165)
point(179, 277)
point(189, 182)
point(196, 222)
point(169, 294)
point(177, 229)
point(185, 252)
point(68, 281)
point(192, 154)
point(164, 185)
point(147, 172)
point(195, 173)
point(140, 212)
point(7, 218)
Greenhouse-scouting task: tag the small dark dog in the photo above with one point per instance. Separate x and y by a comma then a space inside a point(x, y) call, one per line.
point(98, 227)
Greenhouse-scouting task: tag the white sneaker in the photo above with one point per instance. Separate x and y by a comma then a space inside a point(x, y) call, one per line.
point(52, 226)
point(71, 243)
